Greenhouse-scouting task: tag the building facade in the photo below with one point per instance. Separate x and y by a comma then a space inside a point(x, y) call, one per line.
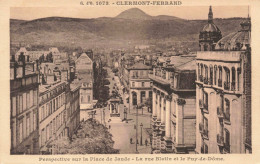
point(140, 84)
point(173, 117)
point(223, 95)
point(24, 88)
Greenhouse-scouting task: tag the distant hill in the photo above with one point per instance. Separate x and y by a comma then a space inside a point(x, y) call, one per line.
point(130, 26)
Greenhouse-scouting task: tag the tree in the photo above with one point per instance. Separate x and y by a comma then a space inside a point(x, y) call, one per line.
point(91, 138)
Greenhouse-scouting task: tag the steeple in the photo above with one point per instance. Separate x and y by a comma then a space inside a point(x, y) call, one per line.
point(210, 15)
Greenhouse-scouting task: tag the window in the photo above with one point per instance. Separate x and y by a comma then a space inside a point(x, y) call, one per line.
point(215, 75)
point(205, 126)
point(27, 100)
point(54, 126)
point(42, 137)
point(20, 130)
point(88, 98)
point(142, 84)
point(42, 113)
point(24, 101)
point(13, 106)
point(227, 141)
point(31, 98)
point(133, 84)
point(27, 125)
point(50, 130)
point(227, 110)
point(20, 104)
point(54, 105)
point(205, 100)
point(151, 84)
point(47, 132)
point(34, 120)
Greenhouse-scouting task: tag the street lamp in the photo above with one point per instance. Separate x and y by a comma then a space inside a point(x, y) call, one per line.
point(141, 139)
point(136, 135)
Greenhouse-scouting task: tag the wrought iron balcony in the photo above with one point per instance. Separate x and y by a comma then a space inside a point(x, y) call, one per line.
point(233, 86)
point(219, 82)
point(206, 81)
point(220, 140)
point(226, 85)
point(220, 112)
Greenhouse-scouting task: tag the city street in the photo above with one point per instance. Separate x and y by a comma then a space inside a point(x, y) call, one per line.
point(122, 131)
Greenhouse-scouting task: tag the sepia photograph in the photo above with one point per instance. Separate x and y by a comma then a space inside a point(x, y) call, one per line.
point(133, 80)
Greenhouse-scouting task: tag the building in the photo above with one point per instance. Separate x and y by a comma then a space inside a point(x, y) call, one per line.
point(173, 102)
point(223, 93)
point(84, 75)
point(24, 88)
point(52, 109)
point(140, 83)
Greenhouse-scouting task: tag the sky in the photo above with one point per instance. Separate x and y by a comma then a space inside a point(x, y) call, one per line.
point(185, 12)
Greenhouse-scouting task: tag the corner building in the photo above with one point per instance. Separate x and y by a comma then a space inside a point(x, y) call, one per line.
point(223, 94)
point(173, 117)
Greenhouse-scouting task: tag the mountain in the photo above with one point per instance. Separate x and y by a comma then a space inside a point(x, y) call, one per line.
point(131, 26)
point(134, 13)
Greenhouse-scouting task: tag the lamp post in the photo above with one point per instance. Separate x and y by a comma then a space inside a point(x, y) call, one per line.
point(136, 135)
point(141, 139)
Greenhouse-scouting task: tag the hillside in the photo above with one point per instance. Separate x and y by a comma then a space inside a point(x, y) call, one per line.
point(131, 26)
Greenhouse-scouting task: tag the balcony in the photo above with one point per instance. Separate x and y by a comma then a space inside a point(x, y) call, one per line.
point(220, 140)
point(201, 78)
point(219, 82)
point(226, 85)
point(233, 86)
point(220, 112)
point(206, 81)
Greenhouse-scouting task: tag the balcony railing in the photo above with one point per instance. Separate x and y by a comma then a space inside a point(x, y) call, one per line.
point(233, 86)
point(201, 78)
point(206, 81)
point(219, 82)
point(220, 140)
point(220, 112)
point(210, 81)
point(226, 85)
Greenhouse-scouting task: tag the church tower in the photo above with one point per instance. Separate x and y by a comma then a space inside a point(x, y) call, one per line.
point(209, 35)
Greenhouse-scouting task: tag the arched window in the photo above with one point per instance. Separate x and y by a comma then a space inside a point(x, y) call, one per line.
point(220, 76)
point(210, 75)
point(215, 75)
point(233, 82)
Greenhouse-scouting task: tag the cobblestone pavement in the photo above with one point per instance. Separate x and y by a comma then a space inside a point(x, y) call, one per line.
point(122, 131)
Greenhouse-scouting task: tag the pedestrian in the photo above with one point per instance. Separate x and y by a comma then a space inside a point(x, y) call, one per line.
point(146, 142)
point(137, 142)
point(131, 140)
point(109, 127)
